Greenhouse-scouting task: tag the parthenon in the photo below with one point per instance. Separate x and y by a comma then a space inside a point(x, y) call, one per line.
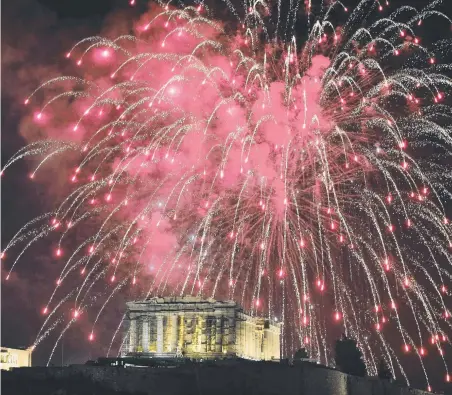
point(192, 327)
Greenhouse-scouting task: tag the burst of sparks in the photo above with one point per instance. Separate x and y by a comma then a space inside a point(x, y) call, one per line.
point(284, 176)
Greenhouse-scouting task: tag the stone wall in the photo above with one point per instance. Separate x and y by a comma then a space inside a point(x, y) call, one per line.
point(219, 378)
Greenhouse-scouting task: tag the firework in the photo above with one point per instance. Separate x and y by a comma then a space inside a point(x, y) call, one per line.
point(291, 177)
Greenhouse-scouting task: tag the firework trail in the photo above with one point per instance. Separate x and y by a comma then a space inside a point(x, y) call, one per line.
point(304, 180)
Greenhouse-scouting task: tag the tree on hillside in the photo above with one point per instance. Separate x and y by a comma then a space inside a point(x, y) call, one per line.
point(349, 358)
point(384, 372)
point(301, 354)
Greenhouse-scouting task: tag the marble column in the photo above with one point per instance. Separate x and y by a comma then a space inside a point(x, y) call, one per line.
point(266, 345)
point(218, 334)
point(181, 335)
point(173, 341)
point(145, 336)
point(132, 335)
point(159, 334)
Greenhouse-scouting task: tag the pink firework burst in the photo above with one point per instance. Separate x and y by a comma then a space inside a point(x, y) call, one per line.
point(261, 170)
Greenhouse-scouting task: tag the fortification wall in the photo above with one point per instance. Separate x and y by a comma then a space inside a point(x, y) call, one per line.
point(239, 378)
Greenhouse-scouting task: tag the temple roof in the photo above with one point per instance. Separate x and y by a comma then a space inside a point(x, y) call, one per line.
point(182, 300)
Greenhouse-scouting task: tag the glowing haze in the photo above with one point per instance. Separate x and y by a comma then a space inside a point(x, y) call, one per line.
point(244, 167)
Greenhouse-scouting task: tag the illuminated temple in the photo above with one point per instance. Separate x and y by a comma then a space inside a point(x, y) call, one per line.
point(192, 327)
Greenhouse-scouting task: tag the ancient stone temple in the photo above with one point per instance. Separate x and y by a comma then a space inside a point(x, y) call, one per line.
point(192, 327)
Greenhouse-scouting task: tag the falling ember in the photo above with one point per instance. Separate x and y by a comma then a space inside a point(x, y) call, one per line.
point(91, 336)
point(320, 285)
point(407, 348)
point(337, 316)
point(76, 313)
point(45, 310)
point(113, 278)
point(422, 351)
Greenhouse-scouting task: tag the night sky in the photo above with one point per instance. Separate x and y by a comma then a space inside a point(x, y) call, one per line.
point(35, 36)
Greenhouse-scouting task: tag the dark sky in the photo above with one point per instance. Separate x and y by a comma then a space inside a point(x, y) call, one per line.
point(35, 34)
